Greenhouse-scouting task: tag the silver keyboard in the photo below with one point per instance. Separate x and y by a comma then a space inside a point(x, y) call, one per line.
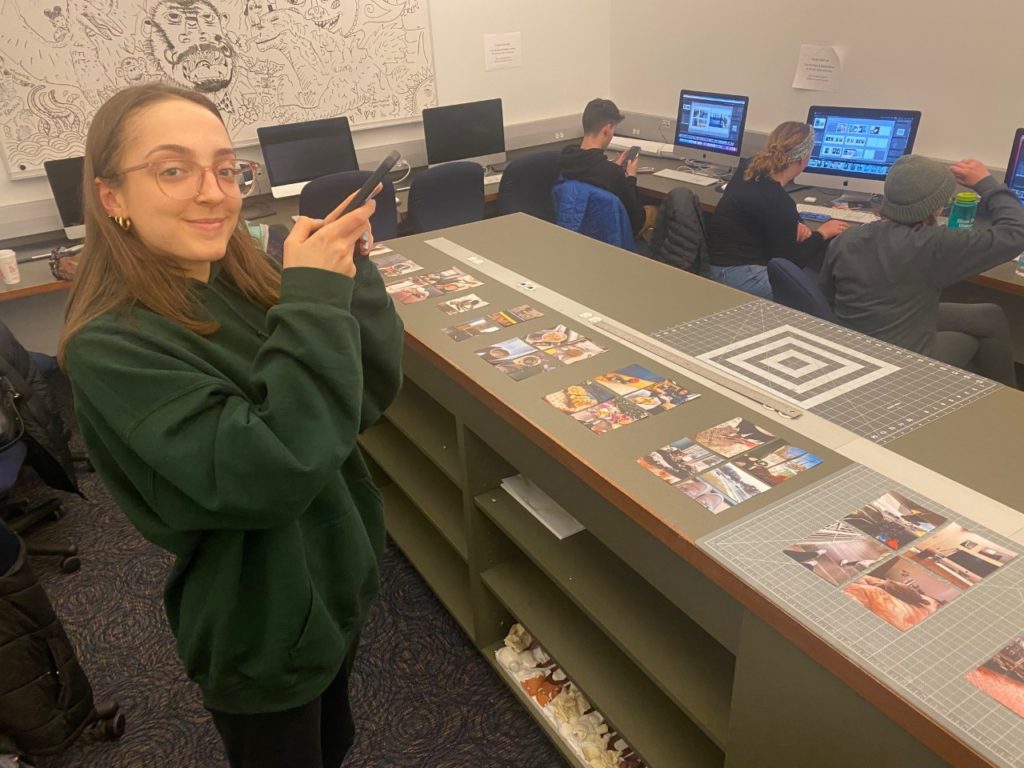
point(843, 214)
point(688, 177)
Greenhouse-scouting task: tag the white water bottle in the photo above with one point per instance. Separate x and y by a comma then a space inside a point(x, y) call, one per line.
point(9, 267)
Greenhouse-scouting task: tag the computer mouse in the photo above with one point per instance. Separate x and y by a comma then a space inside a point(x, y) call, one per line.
point(810, 199)
point(722, 186)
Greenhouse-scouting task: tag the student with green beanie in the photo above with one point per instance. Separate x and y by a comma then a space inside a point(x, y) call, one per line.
point(886, 278)
point(220, 397)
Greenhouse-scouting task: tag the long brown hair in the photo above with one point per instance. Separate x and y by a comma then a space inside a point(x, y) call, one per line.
point(114, 268)
point(775, 155)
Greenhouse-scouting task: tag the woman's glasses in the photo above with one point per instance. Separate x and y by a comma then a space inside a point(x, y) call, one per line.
point(182, 179)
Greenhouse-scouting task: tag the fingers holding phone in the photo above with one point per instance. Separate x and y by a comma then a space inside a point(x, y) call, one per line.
point(329, 243)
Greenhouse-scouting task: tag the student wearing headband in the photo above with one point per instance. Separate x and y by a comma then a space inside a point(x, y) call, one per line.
point(757, 220)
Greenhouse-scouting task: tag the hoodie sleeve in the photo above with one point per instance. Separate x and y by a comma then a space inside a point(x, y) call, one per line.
point(381, 335)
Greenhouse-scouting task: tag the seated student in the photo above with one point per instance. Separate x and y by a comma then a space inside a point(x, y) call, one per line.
point(588, 163)
point(885, 278)
point(757, 220)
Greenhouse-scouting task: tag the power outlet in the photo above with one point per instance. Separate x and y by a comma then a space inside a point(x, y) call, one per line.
point(636, 131)
point(559, 135)
point(665, 125)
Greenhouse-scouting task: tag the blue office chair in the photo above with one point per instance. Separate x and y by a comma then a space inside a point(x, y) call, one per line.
point(526, 185)
point(323, 195)
point(793, 288)
point(446, 195)
point(593, 212)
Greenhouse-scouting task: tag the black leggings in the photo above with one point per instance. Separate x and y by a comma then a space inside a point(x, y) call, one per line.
point(316, 734)
point(976, 335)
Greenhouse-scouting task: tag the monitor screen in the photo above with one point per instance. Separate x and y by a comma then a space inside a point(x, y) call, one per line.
point(65, 177)
point(474, 130)
point(711, 122)
point(301, 152)
point(1015, 167)
point(860, 143)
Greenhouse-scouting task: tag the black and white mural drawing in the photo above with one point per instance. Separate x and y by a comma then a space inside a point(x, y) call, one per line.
point(263, 62)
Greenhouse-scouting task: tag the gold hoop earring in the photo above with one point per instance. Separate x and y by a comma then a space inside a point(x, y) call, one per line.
point(123, 222)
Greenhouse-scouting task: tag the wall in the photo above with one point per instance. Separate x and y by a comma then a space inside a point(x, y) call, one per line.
point(956, 63)
point(580, 62)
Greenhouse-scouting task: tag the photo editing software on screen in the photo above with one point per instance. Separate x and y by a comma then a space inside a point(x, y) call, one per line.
point(860, 142)
point(711, 121)
point(1015, 167)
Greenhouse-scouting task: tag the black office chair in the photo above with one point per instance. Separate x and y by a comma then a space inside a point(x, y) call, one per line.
point(793, 288)
point(446, 195)
point(323, 195)
point(526, 185)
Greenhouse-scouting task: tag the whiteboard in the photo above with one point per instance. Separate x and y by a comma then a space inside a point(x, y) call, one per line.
point(262, 62)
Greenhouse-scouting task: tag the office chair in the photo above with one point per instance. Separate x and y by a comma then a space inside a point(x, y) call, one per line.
point(323, 195)
point(446, 195)
point(793, 288)
point(593, 212)
point(526, 185)
point(21, 516)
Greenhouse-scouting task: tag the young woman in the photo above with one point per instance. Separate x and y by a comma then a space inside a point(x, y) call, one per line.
point(220, 399)
point(757, 220)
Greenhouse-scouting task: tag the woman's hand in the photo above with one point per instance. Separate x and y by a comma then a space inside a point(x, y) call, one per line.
point(832, 227)
point(802, 232)
point(329, 243)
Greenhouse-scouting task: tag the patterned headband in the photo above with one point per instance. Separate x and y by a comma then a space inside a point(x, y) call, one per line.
point(802, 149)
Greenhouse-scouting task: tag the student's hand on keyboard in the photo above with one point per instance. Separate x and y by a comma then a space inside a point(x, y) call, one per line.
point(802, 232)
point(831, 228)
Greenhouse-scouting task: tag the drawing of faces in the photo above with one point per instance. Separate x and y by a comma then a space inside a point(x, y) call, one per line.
point(425, 95)
point(189, 44)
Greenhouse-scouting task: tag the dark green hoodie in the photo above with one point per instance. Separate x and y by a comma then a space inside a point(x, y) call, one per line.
point(236, 452)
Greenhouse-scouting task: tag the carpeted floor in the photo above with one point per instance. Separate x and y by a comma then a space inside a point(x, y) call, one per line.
point(422, 695)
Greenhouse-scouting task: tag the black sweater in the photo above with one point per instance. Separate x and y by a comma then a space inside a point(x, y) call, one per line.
point(756, 221)
point(593, 167)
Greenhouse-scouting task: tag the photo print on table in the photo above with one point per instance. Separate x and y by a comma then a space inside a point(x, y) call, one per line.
point(491, 322)
point(837, 552)
point(526, 366)
point(1002, 676)
point(959, 555)
point(700, 465)
point(895, 520)
point(902, 592)
point(609, 416)
point(462, 304)
point(392, 265)
point(410, 292)
point(576, 397)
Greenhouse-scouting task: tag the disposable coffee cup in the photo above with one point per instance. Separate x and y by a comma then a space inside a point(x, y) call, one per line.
point(9, 267)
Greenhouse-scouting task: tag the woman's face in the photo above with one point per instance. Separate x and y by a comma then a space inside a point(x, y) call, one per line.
point(193, 232)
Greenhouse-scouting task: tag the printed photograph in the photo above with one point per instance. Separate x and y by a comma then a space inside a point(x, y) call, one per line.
point(705, 494)
point(837, 553)
point(960, 555)
point(525, 312)
point(895, 520)
point(630, 379)
point(901, 592)
point(574, 353)
point(505, 350)
point(463, 304)
point(579, 396)
point(1002, 676)
point(609, 416)
point(394, 264)
point(733, 437)
point(680, 460)
point(787, 469)
point(553, 337)
point(768, 464)
point(660, 397)
point(734, 484)
point(408, 292)
point(468, 330)
point(526, 366)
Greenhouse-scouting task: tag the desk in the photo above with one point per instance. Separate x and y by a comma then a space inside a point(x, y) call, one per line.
point(694, 665)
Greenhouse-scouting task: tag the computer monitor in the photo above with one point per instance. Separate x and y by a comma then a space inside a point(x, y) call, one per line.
point(1015, 166)
point(65, 177)
point(472, 131)
point(297, 153)
point(855, 147)
point(710, 125)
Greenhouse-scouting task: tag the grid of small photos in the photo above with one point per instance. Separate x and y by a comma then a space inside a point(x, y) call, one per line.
point(728, 463)
point(619, 398)
point(907, 562)
point(544, 350)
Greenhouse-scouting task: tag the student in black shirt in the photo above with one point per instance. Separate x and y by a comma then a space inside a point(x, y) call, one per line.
point(757, 220)
point(588, 163)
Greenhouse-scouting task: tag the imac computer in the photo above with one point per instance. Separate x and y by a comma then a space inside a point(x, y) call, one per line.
point(297, 153)
point(1015, 166)
point(854, 147)
point(709, 126)
point(65, 177)
point(472, 131)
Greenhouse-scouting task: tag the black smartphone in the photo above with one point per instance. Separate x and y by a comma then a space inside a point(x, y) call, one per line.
point(366, 191)
point(631, 154)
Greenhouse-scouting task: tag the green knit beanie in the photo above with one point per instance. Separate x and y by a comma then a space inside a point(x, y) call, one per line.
point(915, 188)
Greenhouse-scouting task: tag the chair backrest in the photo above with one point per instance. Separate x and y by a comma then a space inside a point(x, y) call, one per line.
point(793, 288)
point(679, 237)
point(446, 195)
point(323, 195)
point(526, 185)
point(11, 460)
point(593, 212)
